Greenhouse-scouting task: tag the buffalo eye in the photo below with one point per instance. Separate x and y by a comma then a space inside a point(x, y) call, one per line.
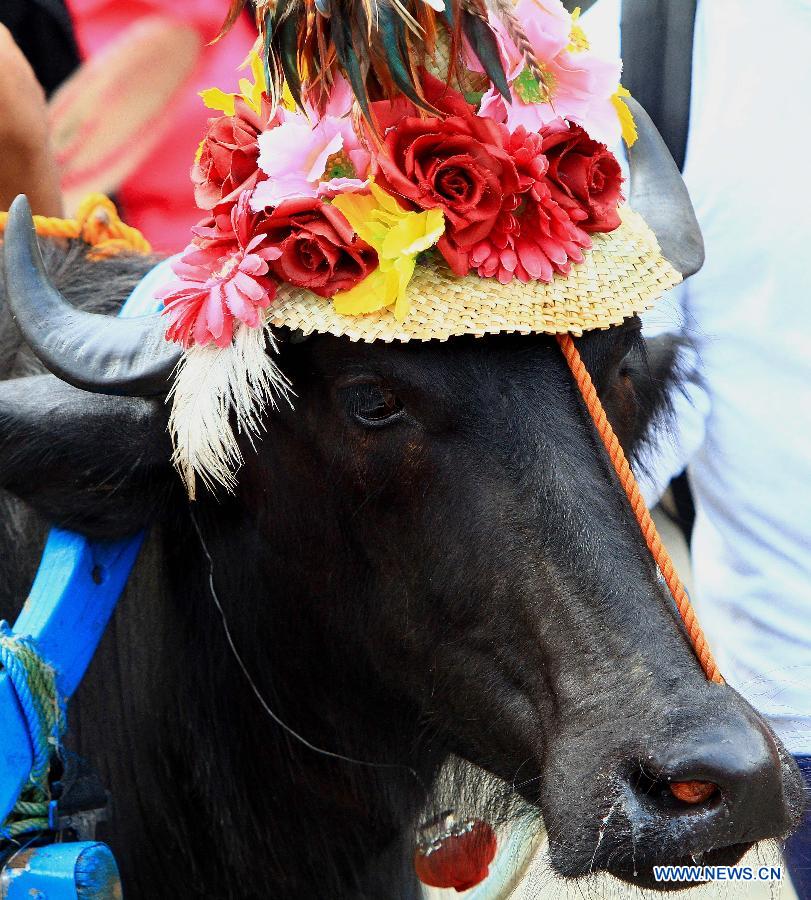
point(629, 362)
point(629, 367)
point(633, 365)
point(372, 404)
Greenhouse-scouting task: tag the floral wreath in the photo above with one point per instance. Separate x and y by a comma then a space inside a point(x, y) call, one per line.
point(319, 178)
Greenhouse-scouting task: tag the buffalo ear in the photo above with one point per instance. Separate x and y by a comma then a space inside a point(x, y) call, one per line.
point(98, 465)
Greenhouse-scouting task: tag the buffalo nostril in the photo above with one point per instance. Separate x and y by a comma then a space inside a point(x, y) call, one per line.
point(693, 792)
point(674, 795)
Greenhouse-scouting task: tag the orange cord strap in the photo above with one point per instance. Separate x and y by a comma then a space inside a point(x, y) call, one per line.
point(640, 510)
point(97, 223)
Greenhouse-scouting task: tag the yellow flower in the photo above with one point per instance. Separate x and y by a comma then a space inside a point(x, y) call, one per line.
point(578, 42)
point(398, 235)
point(214, 98)
point(250, 91)
point(626, 117)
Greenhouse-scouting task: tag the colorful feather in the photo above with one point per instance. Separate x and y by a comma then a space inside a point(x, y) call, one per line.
point(503, 10)
point(286, 36)
point(392, 30)
point(234, 12)
point(340, 30)
point(483, 42)
point(379, 45)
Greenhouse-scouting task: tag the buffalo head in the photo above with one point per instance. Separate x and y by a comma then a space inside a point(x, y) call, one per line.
point(429, 555)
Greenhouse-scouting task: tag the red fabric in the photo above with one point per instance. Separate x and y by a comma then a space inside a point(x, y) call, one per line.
point(159, 198)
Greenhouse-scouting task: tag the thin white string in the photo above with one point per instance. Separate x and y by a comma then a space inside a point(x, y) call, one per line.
point(241, 663)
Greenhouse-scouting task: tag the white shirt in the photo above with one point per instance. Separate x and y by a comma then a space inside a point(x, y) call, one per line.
point(747, 432)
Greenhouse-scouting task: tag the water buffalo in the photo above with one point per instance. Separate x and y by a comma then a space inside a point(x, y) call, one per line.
point(430, 555)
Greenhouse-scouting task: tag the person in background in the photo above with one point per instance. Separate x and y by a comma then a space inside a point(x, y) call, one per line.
point(27, 163)
point(43, 32)
point(741, 425)
point(157, 196)
point(128, 120)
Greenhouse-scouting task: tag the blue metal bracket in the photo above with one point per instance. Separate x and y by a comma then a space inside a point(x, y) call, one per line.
point(73, 596)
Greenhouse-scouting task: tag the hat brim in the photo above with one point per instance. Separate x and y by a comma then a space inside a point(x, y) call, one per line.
point(622, 275)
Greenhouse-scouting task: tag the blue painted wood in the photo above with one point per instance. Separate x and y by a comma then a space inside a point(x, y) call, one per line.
point(70, 604)
point(73, 596)
point(82, 871)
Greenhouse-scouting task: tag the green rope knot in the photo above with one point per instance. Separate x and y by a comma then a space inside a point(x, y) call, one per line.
point(34, 682)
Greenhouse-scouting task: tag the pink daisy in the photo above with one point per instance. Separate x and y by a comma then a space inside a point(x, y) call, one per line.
point(537, 237)
point(222, 276)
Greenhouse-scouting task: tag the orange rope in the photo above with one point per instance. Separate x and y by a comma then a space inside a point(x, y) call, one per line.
point(640, 510)
point(97, 223)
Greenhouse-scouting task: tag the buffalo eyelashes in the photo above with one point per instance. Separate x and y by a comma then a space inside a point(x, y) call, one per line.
point(372, 404)
point(634, 357)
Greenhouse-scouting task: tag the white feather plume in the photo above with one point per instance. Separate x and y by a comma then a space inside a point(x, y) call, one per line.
point(211, 382)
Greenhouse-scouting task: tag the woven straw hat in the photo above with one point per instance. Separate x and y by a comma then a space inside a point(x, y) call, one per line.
point(221, 310)
point(623, 274)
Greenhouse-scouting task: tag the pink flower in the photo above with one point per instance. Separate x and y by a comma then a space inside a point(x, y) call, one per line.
point(534, 246)
point(577, 85)
point(308, 155)
point(223, 275)
point(547, 25)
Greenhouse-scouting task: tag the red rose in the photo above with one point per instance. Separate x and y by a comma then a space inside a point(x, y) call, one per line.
point(319, 249)
point(583, 175)
point(228, 158)
point(458, 164)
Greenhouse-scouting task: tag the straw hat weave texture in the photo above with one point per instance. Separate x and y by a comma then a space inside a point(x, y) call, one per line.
point(623, 274)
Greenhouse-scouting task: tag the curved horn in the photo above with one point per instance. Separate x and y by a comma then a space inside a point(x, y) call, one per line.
point(660, 195)
point(102, 354)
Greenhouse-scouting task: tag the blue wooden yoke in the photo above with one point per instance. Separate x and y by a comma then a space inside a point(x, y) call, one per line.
point(73, 596)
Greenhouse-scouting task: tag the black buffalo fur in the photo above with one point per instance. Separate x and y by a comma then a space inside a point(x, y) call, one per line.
point(402, 594)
